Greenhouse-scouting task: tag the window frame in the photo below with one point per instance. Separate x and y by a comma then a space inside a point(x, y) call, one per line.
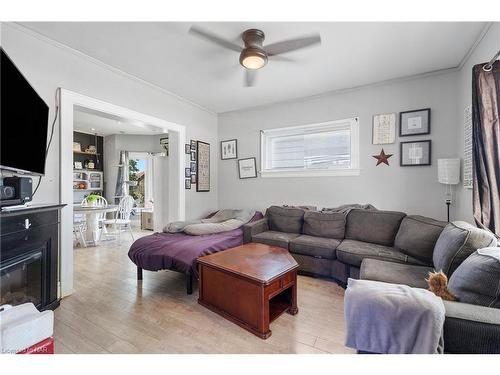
point(353, 170)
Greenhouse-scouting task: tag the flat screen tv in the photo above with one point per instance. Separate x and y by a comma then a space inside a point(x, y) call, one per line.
point(24, 122)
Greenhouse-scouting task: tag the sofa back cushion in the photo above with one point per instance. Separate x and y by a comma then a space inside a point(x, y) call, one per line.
point(477, 279)
point(456, 242)
point(285, 219)
point(417, 236)
point(324, 224)
point(373, 226)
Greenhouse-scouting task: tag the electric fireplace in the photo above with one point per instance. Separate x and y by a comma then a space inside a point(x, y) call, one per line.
point(29, 257)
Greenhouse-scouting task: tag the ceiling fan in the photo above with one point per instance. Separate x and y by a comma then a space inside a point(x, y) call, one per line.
point(254, 55)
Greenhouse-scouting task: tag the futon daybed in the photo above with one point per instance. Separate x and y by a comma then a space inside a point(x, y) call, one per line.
point(180, 251)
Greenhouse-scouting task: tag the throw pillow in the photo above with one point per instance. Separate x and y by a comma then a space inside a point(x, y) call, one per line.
point(477, 279)
point(456, 242)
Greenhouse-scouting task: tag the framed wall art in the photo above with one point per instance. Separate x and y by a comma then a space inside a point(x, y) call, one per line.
point(415, 122)
point(187, 148)
point(384, 129)
point(247, 168)
point(415, 153)
point(229, 149)
point(187, 183)
point(203, 166)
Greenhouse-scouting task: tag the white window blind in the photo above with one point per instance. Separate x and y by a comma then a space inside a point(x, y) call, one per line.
point(326, 148)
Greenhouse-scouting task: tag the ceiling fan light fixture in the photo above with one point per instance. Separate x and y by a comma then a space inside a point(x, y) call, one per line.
point(253, 58)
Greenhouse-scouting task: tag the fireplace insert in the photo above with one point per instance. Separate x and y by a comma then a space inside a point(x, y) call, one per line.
point(22, 279)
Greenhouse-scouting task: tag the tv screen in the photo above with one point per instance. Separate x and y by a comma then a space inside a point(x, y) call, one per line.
point(24, 122)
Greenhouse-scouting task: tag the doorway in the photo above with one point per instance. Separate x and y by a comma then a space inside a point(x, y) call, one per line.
point(169, 206)
point(141, 174)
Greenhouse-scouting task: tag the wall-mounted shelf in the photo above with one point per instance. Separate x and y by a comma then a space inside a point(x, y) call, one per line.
point(86, 153)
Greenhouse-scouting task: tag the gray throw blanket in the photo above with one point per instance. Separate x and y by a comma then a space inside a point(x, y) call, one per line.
point(393, 318)
point(234, 219)
point(345, 208)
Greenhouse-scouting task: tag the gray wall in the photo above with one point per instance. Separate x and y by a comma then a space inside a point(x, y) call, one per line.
point(410, 189)
point(484, 51)
point(48, 65)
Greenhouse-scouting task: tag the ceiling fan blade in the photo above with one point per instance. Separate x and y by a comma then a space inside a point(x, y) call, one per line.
point(292, 44)
point(250, 77)
point(280, 58)
point(214, 38)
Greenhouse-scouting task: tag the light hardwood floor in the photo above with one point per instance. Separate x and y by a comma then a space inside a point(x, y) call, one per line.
point(110, 312)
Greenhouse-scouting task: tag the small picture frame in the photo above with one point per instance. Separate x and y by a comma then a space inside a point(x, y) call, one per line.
point(187, 172)
point(247, 168)
point(193, 167)
point(187, 183)
point(416, 122)
point(193, 179)
point(229, 149)
point(193, 155)
point(193, 145)
point(78, 165)
point(414, 154)
point(187, 148)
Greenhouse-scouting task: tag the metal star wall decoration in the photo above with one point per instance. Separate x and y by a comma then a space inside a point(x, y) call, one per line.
point(382, 157)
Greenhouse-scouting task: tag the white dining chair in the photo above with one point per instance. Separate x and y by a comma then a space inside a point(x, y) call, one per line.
point(99, 202)
point(122, 221)
point(79, 228)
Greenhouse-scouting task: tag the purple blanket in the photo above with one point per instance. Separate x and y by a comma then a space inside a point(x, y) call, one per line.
point(179, 251)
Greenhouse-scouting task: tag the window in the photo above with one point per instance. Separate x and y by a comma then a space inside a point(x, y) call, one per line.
point(325, 149)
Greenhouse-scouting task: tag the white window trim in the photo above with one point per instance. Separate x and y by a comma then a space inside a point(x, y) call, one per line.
point(352, 171)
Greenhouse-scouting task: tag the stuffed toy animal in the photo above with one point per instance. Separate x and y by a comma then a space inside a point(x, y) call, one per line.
point(438, 284)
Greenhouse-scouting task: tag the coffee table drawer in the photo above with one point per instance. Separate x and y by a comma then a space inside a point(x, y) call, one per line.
point(280, 284)
point(288, 279)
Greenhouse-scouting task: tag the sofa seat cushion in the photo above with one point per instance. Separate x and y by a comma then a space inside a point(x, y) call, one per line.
point(321, 267)
point(353, 252)
point(374, 226)
point(273, 238)
point(285, 219)
point(319, 247)
point(417, 236)
point(395, 273)
point(456, 242)
point(477, 279)
point(324, 224)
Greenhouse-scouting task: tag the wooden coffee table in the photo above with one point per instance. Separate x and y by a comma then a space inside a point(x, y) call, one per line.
point(250, 285)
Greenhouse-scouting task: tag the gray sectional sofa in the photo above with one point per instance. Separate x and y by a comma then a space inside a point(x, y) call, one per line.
point(334, 244)
point(386, 246)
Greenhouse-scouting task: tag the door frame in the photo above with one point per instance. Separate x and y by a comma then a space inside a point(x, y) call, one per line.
point(175, 204)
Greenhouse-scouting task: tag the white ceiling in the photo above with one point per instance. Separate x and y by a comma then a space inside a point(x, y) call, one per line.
point(351, 54)
point(103, 124)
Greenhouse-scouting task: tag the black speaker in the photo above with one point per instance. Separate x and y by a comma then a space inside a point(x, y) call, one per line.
point(7, 192)
point(16, 190)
